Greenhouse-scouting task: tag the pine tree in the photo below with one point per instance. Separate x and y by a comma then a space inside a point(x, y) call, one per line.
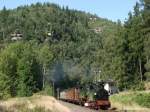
point(146, 34)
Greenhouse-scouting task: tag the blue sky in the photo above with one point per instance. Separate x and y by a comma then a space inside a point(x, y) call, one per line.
point(111, 9)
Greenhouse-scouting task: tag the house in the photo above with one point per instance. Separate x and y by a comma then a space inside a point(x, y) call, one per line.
point(16, 36)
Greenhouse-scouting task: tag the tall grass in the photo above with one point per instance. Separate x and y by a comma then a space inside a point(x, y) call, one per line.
point(138, 98)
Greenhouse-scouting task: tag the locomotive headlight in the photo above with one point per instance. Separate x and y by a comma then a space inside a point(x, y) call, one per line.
point(86, 104)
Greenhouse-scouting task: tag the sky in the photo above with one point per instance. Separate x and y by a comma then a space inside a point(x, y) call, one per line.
point(110, 9)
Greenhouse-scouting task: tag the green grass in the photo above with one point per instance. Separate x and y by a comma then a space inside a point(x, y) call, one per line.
point(139, 98)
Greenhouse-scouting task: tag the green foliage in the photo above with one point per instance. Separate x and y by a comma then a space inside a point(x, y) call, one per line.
point(133, 50)
point(45, 58)
point(63, 31)
point(20, 70)
point(26, 77)
point(8, 65)
point(4, 88)
point(45, 55)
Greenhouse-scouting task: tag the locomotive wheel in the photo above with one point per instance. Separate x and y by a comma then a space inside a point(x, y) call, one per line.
point(103, 108)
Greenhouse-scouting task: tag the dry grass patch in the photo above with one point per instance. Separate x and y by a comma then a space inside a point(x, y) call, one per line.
point(35, 103)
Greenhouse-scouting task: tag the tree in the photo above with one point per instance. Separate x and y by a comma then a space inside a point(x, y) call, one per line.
point(29, 73)
point(4, 22)
point(146, 34)
point(8, 65)
point(45, 59)
point(134, 63)
point(20, 71)
point(26, 83)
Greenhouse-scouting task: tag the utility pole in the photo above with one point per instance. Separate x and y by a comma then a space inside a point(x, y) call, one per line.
point(140, 69)
point(53, 86)
point(44, 73)
point(53, 89)
point(58, 93)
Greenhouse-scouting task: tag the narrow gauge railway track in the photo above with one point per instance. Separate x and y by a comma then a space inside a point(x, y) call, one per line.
point(76, 108)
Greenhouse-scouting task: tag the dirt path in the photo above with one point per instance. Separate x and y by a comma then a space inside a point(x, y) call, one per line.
point(76, 108)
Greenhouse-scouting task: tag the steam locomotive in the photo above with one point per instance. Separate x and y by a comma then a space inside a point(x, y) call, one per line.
point(93, 96)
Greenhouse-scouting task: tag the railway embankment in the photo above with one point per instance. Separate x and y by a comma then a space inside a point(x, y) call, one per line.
point(36, 103)
point(138, 101)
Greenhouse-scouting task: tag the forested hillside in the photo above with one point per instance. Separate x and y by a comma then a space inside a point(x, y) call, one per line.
point(44, 45)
